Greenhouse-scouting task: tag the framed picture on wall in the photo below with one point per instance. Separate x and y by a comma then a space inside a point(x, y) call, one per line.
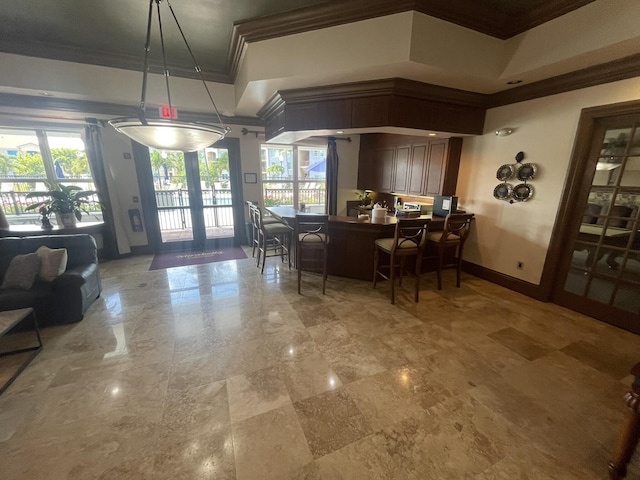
point(250, 178)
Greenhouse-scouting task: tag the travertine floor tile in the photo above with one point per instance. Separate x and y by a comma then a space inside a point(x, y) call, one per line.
point(257, 392)
point(330, 421)
point(217, 371)
point(270, 446)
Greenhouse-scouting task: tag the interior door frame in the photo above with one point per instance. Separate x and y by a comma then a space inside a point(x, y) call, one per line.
point(573, 197)
point(147, 199)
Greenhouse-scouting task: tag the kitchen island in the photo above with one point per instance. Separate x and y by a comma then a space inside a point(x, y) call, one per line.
point(352, 241)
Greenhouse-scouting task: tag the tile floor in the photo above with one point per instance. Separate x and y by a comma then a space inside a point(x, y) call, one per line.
point(218, 372)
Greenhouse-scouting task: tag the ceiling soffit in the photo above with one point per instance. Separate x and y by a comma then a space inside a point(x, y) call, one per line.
point(394, 102)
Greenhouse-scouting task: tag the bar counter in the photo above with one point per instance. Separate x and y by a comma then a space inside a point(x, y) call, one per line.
point(352, 241)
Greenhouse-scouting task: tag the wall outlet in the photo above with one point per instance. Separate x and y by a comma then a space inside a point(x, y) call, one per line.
point(520, 265)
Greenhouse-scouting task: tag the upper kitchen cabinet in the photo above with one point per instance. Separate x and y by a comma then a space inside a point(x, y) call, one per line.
point(377, 172)
point(442, 165)
point(401, 168)
point(409, 165)
point(417, 168)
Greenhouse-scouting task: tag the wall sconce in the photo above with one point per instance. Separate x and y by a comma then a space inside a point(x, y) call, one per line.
point(504, 132)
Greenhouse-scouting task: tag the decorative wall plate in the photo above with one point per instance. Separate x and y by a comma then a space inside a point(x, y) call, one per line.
point(527, 171)
point(522, 192)
point(505, 172)
point(503, 191)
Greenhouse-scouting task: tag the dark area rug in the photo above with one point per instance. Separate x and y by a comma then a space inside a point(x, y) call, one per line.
point(184, 258)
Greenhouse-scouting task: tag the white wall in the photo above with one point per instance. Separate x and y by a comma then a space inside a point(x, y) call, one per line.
point(545, 129)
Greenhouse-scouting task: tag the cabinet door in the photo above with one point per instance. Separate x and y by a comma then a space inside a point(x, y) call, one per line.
point(366, 170)
point(417, 167)
point(435, 167)
point(384, 161)
point(401, 170)
point(375, 169)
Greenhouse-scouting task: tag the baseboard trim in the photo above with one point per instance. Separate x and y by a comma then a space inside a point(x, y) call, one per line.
point(141, 250)
point(512, 283)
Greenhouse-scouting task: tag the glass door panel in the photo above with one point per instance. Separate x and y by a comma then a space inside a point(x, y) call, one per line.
point(215, 189)
point(603, 270)
point(171, 192)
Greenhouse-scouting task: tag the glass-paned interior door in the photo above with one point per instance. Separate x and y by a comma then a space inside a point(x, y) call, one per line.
point(604, 269)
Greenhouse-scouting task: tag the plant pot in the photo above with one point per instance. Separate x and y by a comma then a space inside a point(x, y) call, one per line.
point(67, 220)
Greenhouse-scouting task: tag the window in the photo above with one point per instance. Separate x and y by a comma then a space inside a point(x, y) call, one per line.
point(292, 175)
point(29, 159)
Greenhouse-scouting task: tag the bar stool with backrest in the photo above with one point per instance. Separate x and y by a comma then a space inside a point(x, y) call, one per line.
point(254, 224)
point(272, 237)
point(409, 239)
point(312, 239)
point(450, 241)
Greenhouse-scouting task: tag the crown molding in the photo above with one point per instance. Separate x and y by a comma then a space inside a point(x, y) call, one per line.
point(103, 59)
point(85, 107)
point(621, 69)
point(466, 13)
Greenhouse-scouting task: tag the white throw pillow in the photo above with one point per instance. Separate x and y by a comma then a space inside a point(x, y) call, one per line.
point(53, 263)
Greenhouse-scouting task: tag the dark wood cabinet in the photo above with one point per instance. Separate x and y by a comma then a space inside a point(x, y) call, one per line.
point(384, 169)
point(387, 163)
point(417, 168)
point(374, 104)
point(401, 168)
point(435, 168)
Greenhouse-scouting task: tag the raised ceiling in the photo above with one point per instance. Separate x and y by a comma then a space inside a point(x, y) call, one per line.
point(112, 33)
point(253, 50)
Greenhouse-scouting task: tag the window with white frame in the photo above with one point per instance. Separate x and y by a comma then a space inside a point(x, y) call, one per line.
point(32, 159)
point(294, 175)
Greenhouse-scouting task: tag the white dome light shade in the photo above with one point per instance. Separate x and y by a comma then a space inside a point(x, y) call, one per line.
point(169, 134)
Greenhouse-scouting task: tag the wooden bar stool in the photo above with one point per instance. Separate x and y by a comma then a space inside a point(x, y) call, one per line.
point(630, 432)
point(451, 241)
point(272, 237)
point(409, 239)
point(312, 236)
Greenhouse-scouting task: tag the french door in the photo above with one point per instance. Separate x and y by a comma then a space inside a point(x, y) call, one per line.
point(599, 271)
point(194, 198)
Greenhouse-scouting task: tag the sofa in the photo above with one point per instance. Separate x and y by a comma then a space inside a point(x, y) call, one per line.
point(63, 298)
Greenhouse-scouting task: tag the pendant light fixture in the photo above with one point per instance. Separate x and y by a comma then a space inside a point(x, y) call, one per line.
point(169, 134)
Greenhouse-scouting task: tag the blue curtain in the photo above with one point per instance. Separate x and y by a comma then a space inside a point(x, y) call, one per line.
point(332, 177)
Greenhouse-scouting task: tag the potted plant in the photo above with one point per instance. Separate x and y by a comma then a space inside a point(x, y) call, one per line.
point(66, 201)
point(363, 195)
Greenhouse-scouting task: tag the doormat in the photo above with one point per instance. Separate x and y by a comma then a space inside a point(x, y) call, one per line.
point(185, 258)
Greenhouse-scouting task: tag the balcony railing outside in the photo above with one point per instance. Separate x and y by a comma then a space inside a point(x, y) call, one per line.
point(15, 203)
point(315, 197)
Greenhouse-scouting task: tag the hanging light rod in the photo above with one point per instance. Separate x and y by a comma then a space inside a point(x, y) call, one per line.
point(169, 134)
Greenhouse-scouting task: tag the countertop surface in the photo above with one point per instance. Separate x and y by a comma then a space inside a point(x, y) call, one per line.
point(290, 213)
